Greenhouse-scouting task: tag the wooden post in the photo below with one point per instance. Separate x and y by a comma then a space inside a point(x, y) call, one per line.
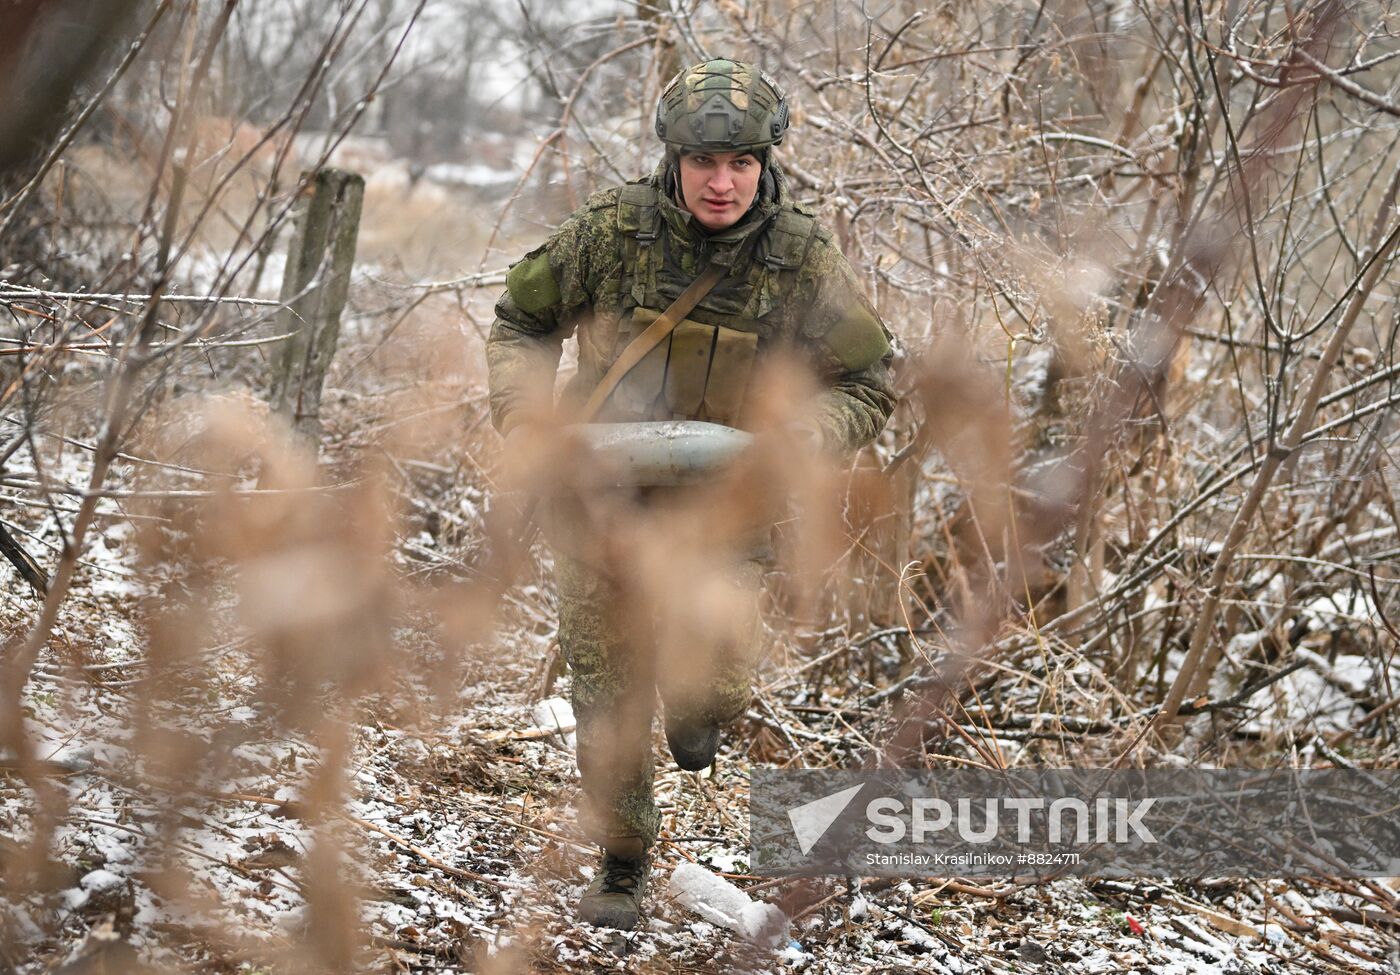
point(314, 288)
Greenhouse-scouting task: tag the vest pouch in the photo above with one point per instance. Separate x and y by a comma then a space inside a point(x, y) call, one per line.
point(637, 397)
point(692, 345)
point(700, 372)
point(730, 369)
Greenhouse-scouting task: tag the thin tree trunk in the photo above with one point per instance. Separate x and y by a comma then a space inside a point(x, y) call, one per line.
point(1380, 247)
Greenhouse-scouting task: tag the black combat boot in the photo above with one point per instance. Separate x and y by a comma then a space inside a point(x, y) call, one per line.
point(614, 897)
point(693, 743)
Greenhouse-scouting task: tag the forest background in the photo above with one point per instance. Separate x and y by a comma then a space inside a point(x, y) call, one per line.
point(259, 709)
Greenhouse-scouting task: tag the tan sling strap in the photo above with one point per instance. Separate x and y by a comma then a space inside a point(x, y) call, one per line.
point(650, 338)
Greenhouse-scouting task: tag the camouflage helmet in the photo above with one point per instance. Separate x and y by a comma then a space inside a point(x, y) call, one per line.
point(722, 106)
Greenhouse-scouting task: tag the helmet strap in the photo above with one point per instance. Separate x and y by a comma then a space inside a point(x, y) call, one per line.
point(767, 184)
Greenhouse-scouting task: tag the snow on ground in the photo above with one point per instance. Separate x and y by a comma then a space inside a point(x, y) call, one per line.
point(460, 835)
point(473, 175)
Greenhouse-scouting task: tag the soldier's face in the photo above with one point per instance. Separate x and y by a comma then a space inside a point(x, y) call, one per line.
point(719, 186)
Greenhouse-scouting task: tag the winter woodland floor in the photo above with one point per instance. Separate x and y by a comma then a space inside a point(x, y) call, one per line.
point(463, 840)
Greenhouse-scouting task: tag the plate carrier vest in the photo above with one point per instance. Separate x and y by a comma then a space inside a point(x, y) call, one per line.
point(702, 371)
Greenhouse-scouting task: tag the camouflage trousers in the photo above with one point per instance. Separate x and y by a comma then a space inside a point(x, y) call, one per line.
point(697, 648)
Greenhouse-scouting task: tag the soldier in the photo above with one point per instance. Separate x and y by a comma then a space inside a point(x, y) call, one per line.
point(713, 238)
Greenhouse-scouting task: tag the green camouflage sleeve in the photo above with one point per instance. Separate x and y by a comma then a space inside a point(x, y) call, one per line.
point(545, 292)
point(852, 347)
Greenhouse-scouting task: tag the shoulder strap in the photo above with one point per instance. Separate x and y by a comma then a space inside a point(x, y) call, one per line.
point(637, 349)
point(637, 215)
point(639, 222)
point(787, 239)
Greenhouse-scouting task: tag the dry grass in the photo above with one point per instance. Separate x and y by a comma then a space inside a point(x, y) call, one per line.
point(263, 651)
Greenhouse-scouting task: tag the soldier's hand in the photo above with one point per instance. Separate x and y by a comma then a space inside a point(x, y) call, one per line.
point(796, 440)
point(530, 457)
point(788, 454)
point(806, 436)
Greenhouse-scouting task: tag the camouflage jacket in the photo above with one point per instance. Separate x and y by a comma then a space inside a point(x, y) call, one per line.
point(631, 248)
